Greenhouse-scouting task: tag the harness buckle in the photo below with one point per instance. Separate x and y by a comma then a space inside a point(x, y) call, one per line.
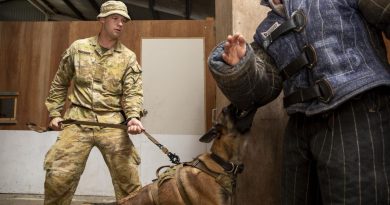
point(325, 91)
point(300, 20)
point(236, 169)
point(311, 55)
point(307, 59)
point(297, 23)
point(321, 91)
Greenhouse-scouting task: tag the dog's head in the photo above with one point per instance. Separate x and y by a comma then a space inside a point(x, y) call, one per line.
point(229, 130)
point(230, 120)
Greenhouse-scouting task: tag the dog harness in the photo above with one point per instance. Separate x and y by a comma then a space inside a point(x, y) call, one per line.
point(226, 179)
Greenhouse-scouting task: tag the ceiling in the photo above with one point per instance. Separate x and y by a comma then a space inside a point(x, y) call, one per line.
point(87, 10)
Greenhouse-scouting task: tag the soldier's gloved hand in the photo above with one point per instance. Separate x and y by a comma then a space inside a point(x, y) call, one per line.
point(134, 126)
point(55, 123)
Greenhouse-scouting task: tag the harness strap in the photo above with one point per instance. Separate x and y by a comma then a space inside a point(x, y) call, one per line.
point(321, 91)
point(200, 165)
point(308, 58)
point(296, 23)
point(181, 188)
point(226, 181)
point(154, 193)
point(229, 167)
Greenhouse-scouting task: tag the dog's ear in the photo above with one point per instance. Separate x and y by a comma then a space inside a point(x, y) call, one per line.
point(210, 135)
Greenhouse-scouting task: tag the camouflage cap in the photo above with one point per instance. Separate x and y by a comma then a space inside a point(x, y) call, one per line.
point(113, 7)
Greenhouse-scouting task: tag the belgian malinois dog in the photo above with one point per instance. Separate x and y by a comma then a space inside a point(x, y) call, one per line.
point(207, 180)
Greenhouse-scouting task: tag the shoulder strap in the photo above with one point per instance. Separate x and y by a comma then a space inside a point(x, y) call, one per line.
point(154, 193)
point(181, 188)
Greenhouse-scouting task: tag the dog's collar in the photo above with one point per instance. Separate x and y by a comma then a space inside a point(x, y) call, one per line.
point(228, 167)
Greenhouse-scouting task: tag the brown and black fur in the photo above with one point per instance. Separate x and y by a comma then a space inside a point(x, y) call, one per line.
point(190, 185)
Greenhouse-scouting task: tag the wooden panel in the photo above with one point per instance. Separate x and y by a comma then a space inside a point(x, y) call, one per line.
point(34, 77)
point(10, 35)
point(31, 51)
point(387, 43)
point(224, 19)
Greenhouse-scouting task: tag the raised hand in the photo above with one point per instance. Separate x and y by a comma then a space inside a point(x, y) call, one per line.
point(234, 49)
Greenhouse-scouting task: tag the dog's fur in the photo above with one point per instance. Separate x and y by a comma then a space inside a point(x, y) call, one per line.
point(208, 184)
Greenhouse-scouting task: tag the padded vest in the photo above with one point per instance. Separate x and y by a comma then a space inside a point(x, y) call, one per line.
point(330, 52)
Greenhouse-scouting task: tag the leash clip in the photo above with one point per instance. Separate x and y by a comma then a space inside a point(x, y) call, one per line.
point(236, 168)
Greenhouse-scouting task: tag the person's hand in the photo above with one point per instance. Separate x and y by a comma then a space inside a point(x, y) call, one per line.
point(55, 123)
point(134, 126)
point(234, 49)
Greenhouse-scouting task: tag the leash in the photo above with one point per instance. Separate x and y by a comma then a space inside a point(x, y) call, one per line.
point(174, 158)
point(36, 128)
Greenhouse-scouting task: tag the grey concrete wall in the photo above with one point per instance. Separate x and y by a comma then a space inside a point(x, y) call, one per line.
point(22, 154)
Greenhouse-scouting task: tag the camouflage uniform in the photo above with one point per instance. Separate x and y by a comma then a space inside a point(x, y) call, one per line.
point(100, 79)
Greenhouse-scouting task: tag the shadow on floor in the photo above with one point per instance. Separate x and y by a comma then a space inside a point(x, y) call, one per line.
point(36, 199)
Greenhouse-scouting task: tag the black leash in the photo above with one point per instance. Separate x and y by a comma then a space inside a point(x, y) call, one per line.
point(172, 156)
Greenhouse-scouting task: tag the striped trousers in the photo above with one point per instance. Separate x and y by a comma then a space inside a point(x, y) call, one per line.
point(341, 157)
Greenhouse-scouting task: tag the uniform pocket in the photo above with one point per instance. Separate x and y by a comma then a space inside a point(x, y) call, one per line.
point(112, 85)
point(83, 66)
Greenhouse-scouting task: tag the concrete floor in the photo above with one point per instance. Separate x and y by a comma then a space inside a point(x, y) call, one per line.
point(28, 199)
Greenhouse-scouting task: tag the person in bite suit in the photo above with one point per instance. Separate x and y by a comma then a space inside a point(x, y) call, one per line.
point(329, 59)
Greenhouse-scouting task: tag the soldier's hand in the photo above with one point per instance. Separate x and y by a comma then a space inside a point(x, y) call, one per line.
point(134, 126)
point(55, 123)
point(234, 49)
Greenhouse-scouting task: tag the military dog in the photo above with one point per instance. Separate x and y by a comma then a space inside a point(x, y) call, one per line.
point(207, 180)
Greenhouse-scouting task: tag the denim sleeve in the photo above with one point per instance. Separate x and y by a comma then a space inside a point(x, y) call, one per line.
point(377, 13)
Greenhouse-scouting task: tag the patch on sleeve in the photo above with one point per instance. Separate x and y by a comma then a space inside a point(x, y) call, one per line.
point(265, 34)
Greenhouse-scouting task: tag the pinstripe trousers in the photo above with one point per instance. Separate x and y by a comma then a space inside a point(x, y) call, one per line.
point(341, 157)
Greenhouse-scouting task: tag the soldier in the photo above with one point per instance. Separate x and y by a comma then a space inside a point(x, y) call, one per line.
point(329, 59)
point(107, 82)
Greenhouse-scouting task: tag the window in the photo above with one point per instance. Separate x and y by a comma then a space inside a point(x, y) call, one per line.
point(8, 104)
